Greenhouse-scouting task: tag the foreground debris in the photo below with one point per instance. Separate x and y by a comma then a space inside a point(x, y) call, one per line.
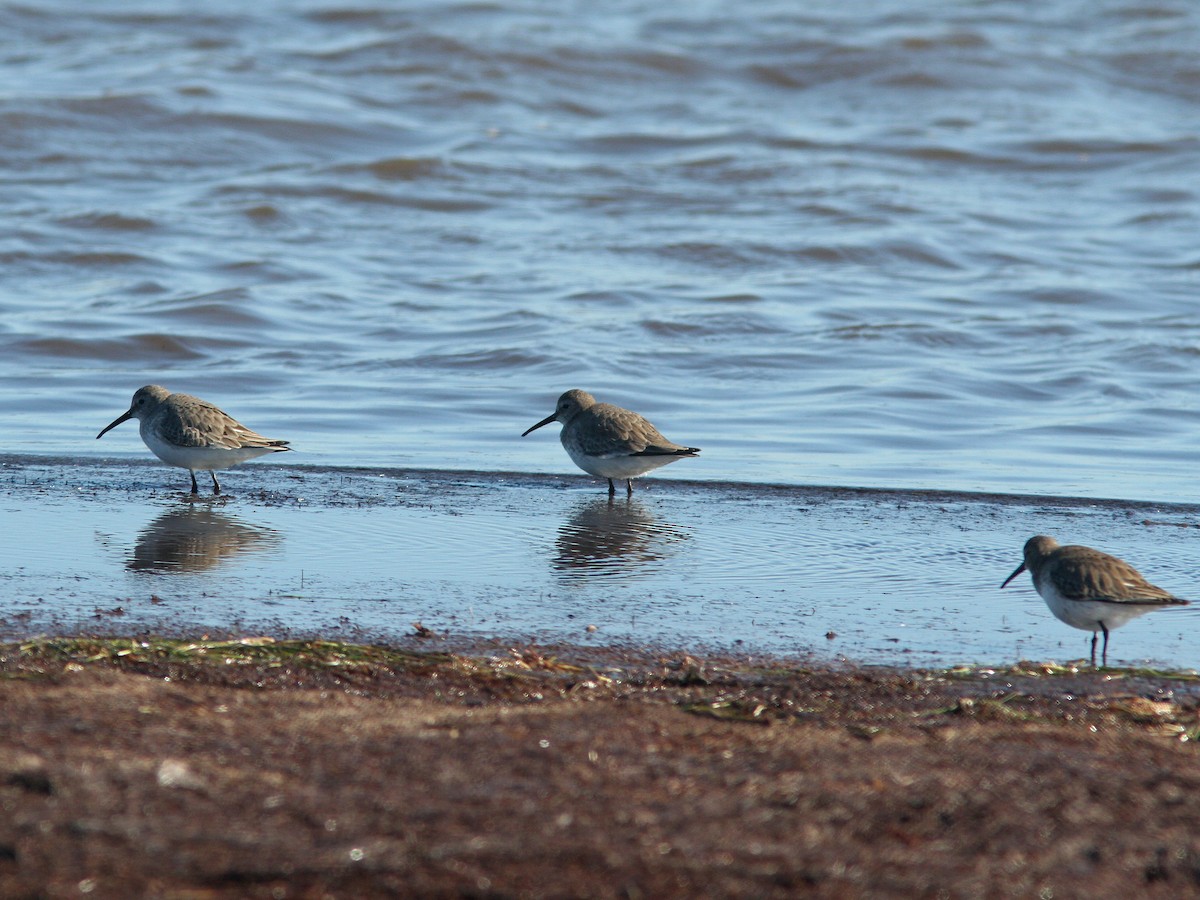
point(248, 767)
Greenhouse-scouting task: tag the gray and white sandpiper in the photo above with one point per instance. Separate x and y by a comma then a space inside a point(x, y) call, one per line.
point(192, 434)
point(610, 442)
point(1088, 589)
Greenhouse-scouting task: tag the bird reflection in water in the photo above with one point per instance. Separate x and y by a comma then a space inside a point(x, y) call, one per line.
point(607, 536)
point(194, 538)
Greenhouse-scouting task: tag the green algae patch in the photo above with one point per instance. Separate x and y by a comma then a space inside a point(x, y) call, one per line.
point(1029, 669)
point(237, 651)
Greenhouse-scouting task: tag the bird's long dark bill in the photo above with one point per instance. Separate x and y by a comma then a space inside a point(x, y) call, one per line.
point(1020, 569)
point(124, 417)
point(545, 421)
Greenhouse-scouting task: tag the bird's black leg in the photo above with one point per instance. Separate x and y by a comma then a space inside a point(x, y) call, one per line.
point(216, 484)
point(195, 487)
point(1104, 655)
point(628, 487)
point(1094, 649)
point(612, 488)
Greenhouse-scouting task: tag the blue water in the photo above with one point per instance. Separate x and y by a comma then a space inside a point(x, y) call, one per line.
point(943, 245)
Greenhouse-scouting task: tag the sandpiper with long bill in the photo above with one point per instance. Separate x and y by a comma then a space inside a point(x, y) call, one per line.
point(192, 434)
point(610, 442)
point(1088, 589)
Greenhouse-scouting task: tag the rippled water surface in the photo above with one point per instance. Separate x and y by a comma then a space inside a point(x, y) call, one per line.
point(883, 243)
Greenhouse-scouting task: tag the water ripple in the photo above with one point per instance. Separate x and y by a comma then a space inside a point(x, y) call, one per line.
point(864, 244)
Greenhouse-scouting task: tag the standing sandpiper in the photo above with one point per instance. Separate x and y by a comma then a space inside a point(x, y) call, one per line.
point(1088, 589)
point(611, 442)
point(192, 434)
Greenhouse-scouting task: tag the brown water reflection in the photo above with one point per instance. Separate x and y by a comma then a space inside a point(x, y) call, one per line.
point(611, 536)
point(195, 538)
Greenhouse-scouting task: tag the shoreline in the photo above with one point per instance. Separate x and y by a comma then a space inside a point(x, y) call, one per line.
point(162, 487)
point(875, 577)
point(255, 768)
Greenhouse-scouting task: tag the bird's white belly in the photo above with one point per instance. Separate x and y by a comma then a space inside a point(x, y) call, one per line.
point(198, 458)
point(1087, 615)
point(616, 466)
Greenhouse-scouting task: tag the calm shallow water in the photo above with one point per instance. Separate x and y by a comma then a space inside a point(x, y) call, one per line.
point(948, 246)
point(876, 577)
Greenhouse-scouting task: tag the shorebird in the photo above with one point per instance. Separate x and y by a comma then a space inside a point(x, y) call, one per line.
point(1088, 589)
point(191, 433)
point(610, 442)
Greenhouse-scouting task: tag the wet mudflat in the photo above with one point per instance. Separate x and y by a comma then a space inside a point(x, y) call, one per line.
point(254, 768)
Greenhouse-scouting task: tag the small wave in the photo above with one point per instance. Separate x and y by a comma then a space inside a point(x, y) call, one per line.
point(262, 213)
point(216, 315)
point(915, 80)
point(711, 255)
point(734, 298)
point(609, 298)
point(141, 348)
point(904, 251)
point(487, 360)
point(356, 197)
point(643, 142)
point(712, 326)
point(98, 259)
point(289, 130)
point(92, 259)
point(118, 109)
point(953, 39)
point(404, 168)
point(1077, 148)
point(109, 222)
